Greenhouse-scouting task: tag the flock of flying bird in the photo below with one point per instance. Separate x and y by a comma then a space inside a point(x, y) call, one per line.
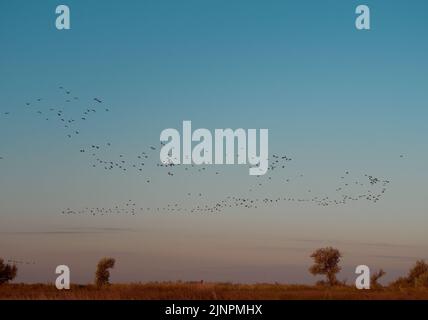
point(63, 114)
point(254, 202)
point(145, 162)
point(21, 262)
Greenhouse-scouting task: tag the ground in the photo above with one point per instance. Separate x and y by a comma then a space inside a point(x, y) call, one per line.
point(203, 291)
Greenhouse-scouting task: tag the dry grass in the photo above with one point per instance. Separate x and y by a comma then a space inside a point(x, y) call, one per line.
point(206, 291)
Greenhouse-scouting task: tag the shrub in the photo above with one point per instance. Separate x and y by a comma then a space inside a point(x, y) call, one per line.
point(7, 272)
point(374, 279)
point(420, 268)
point(102, 275)
point(422, 281)
point(400, 283)
point(417, 276)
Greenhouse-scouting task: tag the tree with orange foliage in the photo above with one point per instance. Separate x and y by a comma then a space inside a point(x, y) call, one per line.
point(326, 262)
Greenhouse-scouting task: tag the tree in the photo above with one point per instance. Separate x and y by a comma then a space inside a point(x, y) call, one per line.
point(7, 272)
point(102, 276)
point(374, 279)
point(326, 262)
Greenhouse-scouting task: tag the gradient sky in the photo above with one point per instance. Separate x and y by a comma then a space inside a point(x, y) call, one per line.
point(333, 98)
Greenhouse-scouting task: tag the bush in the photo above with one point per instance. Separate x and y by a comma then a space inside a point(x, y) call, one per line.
point(374, 279)
point(400, 283)
point(102, 276)
point(417, 277)
point(420, 268)
point(7, 272)
point(422, 281)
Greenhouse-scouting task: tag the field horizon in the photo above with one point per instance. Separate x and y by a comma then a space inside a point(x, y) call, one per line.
point(206, 291)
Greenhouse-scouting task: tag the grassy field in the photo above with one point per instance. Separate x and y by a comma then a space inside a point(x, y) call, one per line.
point(205, 291)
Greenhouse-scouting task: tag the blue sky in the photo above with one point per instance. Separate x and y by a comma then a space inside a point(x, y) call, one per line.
point(333, 99)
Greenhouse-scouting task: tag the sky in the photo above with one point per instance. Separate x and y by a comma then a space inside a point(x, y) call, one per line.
point(335, 100)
